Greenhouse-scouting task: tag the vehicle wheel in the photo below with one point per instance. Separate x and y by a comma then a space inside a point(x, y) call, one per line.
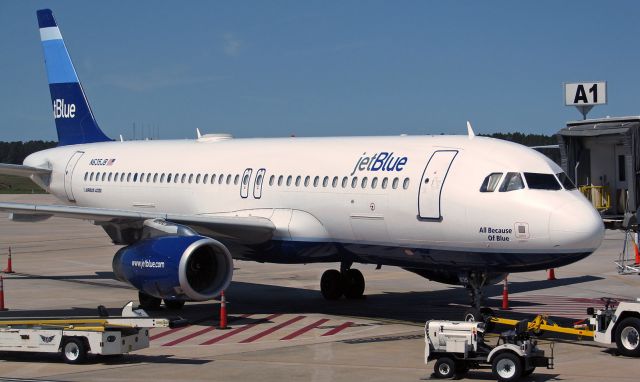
point(353, 284)
point(506, 367)
point(148, 302)
point(331, 284)
point(174, 304)
point(444, 367)
point(628, 337)
point(473, 315)
point(528, 372)
point(74, 350)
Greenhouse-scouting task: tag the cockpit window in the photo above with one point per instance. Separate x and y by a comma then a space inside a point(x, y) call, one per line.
point(566, 182)
point(491, 182)
point(537, 181)
point(512, 181)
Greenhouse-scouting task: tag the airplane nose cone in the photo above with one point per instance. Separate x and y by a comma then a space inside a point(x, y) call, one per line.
point(576, 226)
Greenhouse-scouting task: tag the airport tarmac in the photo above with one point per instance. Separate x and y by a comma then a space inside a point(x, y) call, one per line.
point(281, 327)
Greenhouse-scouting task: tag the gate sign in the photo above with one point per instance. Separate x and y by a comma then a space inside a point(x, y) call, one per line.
point(585, 93)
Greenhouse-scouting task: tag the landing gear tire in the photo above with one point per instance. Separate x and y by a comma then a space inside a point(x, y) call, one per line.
point(331, 284)
point(506, 367)
point(444, 367)
point(74, 350)
point(353, 284)
point(627, 337)
point(148, 302)
point(174, 304)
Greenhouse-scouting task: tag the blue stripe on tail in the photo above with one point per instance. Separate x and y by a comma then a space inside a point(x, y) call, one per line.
point(73, 116)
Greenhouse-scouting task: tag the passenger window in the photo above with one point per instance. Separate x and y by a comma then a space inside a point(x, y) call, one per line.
point(135, 177)
point(354, 182)
point(298, 179)
point(289, 178)
point(236, 179)
point(307, 179)
point(155, 177)
point(221, 179)
point(110, 176)
point(162, 178)
point(385, 180)
point(175, 178)
point(491, 182)
point(271, 179)
point(104, 175)
point(325, 181)
point(344, 182)
point(205, 180)
point(128, 177)
point(168, 178)
point(566, 182)
point(394, 185)
point(213, 178)
point(512, 181)
point(229, 179)
point(280, 178)
point(183, 178)
point(374, 182)
point(405, 184)
point(148, 177)
point(198, 179)
point(122, 177)
point(334, 183)
point(141, 177)
point(364, 182)
point(86, 176)
point(316, 180)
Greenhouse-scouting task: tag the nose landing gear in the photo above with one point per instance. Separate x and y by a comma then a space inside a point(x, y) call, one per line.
point(348, 282)
point(475, 281)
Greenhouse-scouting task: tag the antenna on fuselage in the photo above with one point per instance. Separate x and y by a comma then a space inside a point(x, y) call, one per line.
point(470, 130)
point(198, 133)
point(121, 139)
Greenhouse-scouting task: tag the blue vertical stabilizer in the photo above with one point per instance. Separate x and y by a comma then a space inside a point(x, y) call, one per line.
point(74, 119)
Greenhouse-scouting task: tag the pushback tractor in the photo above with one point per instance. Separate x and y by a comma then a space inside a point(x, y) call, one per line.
point(77, 337)
point(455, 347)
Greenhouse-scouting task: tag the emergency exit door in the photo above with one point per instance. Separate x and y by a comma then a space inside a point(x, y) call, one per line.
point(68, 175)
point(433, 178)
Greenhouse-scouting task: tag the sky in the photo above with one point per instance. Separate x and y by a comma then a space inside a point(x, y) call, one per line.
point(321, 68)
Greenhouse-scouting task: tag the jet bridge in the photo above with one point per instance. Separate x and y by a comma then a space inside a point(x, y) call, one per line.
point(602, 157)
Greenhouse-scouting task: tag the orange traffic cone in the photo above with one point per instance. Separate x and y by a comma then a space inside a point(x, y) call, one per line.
point(223, 312)
point(505, 295)
point(2, 308)
point(552, 274)
point(9, 268)
point(635, 248)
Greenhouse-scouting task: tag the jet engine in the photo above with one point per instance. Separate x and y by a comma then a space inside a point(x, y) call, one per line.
point(194, 267)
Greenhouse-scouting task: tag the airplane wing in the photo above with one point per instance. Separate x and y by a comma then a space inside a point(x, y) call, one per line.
point(20, 170)
point(244, 229)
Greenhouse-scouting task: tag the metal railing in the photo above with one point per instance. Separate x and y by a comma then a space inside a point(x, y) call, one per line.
point(599, 196)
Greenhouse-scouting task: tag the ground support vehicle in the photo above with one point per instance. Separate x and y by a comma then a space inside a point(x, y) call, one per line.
point(458, 346)
point(76, 337)
point(619, 325)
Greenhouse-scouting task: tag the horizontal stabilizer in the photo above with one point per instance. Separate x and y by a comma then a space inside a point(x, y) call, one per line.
point(20, 170)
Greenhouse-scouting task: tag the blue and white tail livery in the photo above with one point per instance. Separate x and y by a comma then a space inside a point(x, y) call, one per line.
point(74, 119)
point(456, 209)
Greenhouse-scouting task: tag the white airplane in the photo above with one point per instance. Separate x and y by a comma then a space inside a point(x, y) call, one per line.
point(455, 209)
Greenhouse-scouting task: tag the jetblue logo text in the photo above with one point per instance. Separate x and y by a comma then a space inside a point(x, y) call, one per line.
point(62, 110)
point(147, 264)
point(382, 161)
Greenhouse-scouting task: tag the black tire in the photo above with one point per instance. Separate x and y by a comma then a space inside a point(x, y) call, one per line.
point(148, 302)
point(353, 283)
point(74, 350)
point(331, 284)
point(174, 304)
point(444, 367)
point(506, 367)
point(472, 315)
point(627, 337)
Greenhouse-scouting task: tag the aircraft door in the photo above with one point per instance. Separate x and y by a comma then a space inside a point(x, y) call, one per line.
point(68, 175)
point(257, 183)
point(244, 184)
point(433, 177)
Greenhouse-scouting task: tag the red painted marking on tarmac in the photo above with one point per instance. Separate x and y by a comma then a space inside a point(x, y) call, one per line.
point(200, 332)
point(304, 330)
point(239, 330)
point(167, 332)
point(338, 329)
point(272, 329)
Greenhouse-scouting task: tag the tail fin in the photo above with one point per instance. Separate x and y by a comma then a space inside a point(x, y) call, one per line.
point(74, 119)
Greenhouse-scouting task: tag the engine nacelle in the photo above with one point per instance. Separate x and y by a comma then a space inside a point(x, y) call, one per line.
point(194, 268)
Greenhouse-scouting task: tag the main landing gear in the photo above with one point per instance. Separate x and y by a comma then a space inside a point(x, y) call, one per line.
point(474, 283)
point(148, 302)
point(348, 282)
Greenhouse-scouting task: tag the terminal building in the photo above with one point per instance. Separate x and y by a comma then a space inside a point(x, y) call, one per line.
point(602, 156)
